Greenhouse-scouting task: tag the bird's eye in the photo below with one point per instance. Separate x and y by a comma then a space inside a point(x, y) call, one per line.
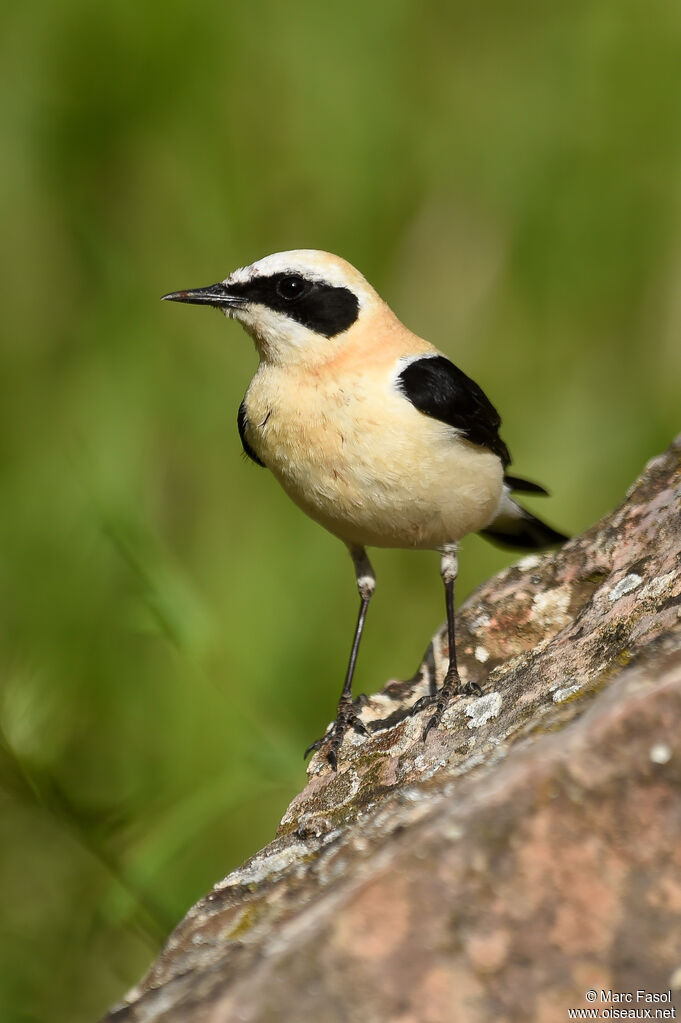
point(291, 287)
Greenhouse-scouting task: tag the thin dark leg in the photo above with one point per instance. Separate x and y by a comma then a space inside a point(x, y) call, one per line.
point(452, 685)
point(346, 716)
point(359, 629)
point(451, 681)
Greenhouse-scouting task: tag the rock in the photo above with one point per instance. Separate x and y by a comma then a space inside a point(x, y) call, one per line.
point(528, 852)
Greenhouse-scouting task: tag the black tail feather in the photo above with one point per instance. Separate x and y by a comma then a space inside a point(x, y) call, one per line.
point(522, 530)
point(522, 486)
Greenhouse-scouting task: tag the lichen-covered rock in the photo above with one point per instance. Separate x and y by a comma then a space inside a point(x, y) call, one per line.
point(528, 852)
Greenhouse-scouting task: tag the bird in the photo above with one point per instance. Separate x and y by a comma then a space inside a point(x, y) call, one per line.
point(373, 432)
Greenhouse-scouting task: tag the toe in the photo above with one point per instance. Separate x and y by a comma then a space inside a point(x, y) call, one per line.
point(469, 689)
point(422, 703)
point(358, 725)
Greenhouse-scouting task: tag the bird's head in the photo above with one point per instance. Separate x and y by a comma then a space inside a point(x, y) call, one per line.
point(298, 306)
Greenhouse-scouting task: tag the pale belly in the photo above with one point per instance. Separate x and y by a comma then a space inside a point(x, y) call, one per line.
point(383, 476)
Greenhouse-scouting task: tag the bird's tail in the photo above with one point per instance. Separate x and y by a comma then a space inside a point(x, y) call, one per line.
point(515, 527)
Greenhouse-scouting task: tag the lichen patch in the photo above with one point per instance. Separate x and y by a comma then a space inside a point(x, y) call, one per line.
point(483, 709)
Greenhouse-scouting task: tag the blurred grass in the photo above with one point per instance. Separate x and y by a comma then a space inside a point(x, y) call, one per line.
point(174, 632)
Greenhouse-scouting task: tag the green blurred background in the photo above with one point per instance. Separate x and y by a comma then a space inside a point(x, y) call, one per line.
point(174, 631)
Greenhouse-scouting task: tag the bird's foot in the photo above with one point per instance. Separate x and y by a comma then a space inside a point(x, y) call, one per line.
point(332, 739)
point(451, 687)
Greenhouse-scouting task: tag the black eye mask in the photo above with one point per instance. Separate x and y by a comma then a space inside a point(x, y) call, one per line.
point(321, 307)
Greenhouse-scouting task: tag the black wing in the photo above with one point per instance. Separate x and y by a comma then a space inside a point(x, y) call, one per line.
point(241, 421)
point(438, 388)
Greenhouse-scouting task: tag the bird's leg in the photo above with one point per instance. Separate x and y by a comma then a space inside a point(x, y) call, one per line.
point(452, 685)
point(346, 716)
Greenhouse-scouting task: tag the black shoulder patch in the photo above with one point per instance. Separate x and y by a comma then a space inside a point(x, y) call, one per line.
point(321, 307)
point(241, 422)
point(438, 388)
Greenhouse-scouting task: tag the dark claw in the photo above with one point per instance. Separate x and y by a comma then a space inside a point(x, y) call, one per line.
point(432, 723)
point(313, 747)
point(470, 689)
point(451, 687)
point(444, 698)
point(334, 736)
point(425, 701)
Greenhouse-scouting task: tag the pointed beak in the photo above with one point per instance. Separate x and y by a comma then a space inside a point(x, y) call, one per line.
point(217, 295)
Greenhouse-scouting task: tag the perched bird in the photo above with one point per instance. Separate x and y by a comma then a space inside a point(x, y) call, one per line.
point(371, 430)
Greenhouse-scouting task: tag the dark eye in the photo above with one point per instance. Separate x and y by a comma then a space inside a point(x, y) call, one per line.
point(291, 287)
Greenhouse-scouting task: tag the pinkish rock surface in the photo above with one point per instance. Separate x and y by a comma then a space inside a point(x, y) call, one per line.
point(527, 853)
